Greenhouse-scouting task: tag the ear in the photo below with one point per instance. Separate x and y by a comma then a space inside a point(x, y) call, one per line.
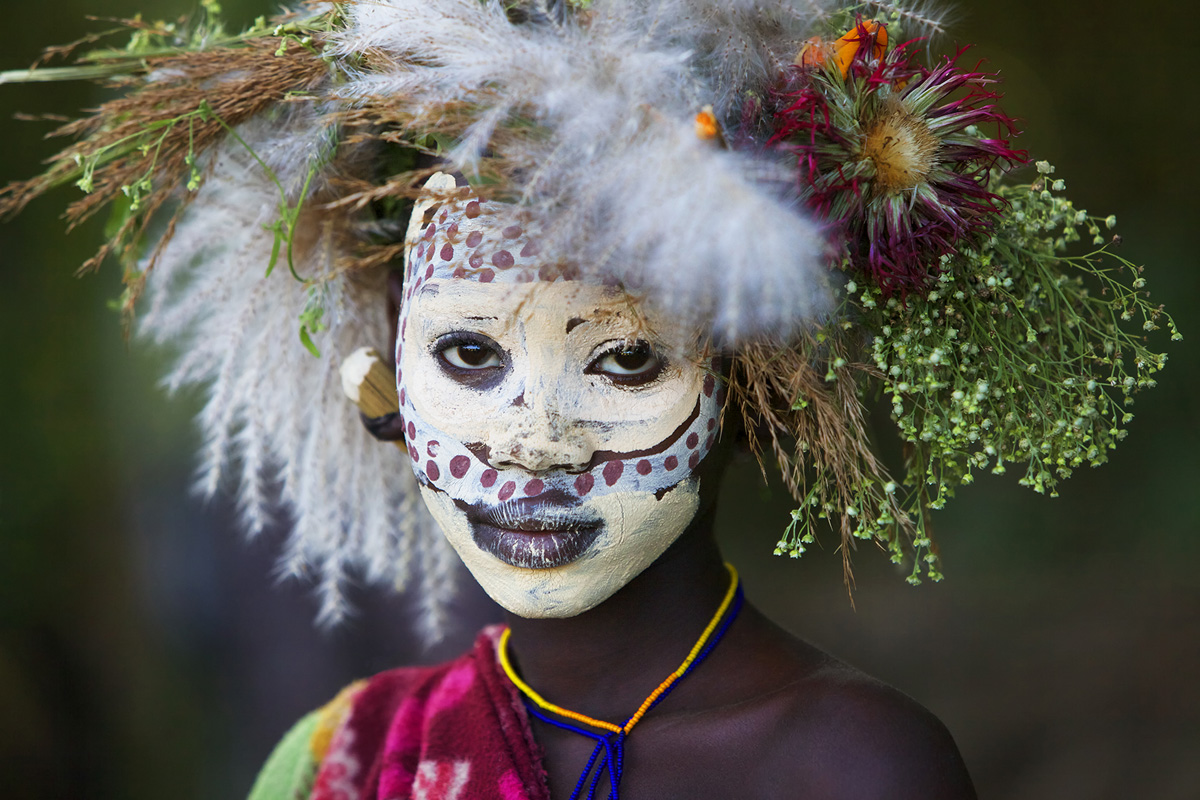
point(395, 299)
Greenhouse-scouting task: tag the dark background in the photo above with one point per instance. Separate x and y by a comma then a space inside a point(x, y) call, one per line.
point(145, 651)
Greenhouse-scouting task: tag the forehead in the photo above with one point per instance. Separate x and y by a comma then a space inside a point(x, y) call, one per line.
point(470, 299)
point(554, 309)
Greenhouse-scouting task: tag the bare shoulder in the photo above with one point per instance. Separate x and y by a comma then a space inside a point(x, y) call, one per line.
point(851, 736)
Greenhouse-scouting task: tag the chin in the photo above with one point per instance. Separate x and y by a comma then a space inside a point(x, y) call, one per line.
point(636, 528)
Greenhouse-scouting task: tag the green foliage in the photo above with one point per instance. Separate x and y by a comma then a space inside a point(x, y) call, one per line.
point(1022, 354)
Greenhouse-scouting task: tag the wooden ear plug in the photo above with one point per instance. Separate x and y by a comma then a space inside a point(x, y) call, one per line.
point(371, 384)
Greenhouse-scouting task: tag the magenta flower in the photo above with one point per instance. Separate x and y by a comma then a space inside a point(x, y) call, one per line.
point(886, 156)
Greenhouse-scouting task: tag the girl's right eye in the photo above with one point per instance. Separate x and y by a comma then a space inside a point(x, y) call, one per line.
point(470, 354)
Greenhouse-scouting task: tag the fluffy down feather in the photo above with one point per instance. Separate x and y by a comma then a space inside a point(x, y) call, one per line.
point(275, 417)
point(615, 173)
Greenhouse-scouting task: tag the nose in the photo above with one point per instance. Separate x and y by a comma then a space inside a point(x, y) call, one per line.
point(541, 431)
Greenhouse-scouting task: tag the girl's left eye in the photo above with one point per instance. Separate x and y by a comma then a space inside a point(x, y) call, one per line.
point(629, 365)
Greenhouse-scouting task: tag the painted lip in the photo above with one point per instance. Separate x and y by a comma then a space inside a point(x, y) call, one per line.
point(540, 532)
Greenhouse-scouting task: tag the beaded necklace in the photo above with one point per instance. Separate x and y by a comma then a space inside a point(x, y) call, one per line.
point(610, 745)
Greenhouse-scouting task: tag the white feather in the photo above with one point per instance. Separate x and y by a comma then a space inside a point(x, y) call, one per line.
point(620, 184)
point(275, 418)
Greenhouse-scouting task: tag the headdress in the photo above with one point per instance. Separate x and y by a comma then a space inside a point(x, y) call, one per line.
point(797, 176)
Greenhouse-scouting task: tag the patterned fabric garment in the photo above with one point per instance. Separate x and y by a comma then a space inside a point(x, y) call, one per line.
point(457, 731)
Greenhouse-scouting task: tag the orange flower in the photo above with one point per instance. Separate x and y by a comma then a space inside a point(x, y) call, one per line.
point(707, 128)
point(865, 35)
point(869, 34)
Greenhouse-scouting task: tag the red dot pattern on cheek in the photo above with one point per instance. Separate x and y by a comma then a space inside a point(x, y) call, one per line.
point(506, 491)
point(584, 483)
point(503, 259)
point(432, 448)
point(474, 238)
point(710, 383)
point(692, 440)
point(712, 423)
point(431, 469)
point(535, 486)
point(487, 276)
point(412, 451)
point(472, 209)
point(670, 462)
point(512, 231)
point(693, 460)
point(612, 472)
point(488, 479)
point(476, 261)
point(429, 272)
point(530, 249)
point(708, 442)
point(643, 467)
point(401, 394)
point(459, 466)
point(412, 432)
point(447, 251)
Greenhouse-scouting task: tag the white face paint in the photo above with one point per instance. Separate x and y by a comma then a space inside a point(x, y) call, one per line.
point(554, 430)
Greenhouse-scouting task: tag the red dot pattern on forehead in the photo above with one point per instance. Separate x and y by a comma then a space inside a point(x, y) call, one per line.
point(670, 462)
point(506, 491)
point(692, 440)
point(712, 423)
point(584, 483)
point(459, 466)
point(493, 241)
point(535, 486)
point(643, 467)
point(693, 460)
point(710, 383)
point(488, 479)
point(432, 448)
point(612, 472)
point(431, 469)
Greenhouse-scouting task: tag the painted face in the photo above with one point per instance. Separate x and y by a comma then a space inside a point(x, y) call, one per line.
point(555, 431)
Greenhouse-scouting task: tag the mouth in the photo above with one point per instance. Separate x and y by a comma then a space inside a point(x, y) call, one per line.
point(533, 533)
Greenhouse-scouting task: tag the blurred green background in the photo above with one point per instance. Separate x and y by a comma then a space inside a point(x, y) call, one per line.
point(145, 650)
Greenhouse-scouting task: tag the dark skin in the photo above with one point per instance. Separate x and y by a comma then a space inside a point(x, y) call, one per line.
point(767, 715)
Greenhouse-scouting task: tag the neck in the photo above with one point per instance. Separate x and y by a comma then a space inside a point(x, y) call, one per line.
point(605, 661)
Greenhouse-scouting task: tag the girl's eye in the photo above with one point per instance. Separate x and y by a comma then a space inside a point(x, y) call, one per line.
point(631, 365)
point(470, 355)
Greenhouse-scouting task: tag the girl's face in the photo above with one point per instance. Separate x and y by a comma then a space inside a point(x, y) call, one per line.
point(555, 431)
